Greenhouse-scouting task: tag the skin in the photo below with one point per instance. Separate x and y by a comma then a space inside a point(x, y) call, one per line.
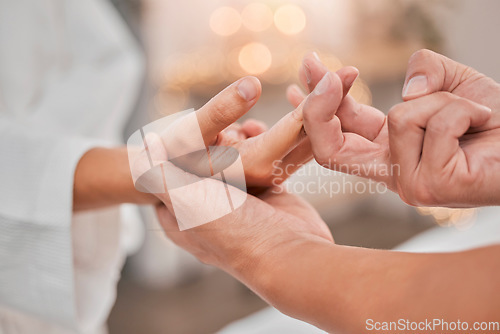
point(103, 178)
point(279, 247)
point(442, 144)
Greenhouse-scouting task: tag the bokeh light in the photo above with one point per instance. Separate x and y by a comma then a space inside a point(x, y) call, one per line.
point(290, 19)
point(257, 17)
point(255, 58)
point(225, 21)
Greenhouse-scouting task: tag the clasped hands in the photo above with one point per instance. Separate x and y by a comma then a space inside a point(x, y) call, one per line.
point(441, 145)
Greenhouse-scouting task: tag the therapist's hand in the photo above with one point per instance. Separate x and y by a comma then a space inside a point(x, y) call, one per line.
point(467, 136)
point(268, 157)
point(447, 151)
point(241, 240)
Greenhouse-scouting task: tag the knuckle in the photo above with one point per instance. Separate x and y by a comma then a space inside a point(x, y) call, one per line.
point(471, 179)
point(417, 193)
point(439, 124)
point(397, 116)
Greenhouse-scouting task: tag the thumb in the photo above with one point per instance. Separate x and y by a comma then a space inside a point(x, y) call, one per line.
point(227, 107)
point(429, 72)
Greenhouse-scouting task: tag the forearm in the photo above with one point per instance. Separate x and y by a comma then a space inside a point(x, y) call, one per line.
point(338, 288)
point(102, 178)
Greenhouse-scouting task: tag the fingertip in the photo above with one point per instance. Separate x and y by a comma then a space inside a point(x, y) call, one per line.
point(353, 69)
point(294, 89)
point(484, 116)
point(253, 127)
point(153, 144)
point(331, 83)
point(295, 95)
point(351, 73)
point(249, 88)
point(312, 70)
point(416, 86)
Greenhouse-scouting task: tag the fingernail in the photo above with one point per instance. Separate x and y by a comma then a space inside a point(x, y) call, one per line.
point(308, 73)
point(324, 84)
point(416, 86)
point(315, 54)
point(247, 89)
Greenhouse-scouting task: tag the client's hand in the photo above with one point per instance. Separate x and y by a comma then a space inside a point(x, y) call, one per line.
point(439, 149)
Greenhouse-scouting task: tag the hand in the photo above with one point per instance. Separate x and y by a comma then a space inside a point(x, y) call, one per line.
point(258, 148)
point(268, 157)
point(238, 241)
point(435, 156)
point(346, 136)
point(461, 143)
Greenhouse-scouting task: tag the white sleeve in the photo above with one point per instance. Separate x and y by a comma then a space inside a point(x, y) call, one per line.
point(36, 188)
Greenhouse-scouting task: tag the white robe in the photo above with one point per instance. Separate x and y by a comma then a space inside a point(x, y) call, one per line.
point(69, 77)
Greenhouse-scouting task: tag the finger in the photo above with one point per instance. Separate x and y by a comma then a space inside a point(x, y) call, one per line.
point(406, 124)
point(253, 127)
point(282, 137)
point(235, 132)
point(354, 117)
point(322, 126)
point(313, 70)
point(294, 160)
point(295, 95)
point(331, 147)
point(443, 130)
point(430, 72)
point(227, 107)
point(146, 166)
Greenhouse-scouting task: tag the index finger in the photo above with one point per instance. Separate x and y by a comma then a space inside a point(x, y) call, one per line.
point(429, 72)
point(407, 122)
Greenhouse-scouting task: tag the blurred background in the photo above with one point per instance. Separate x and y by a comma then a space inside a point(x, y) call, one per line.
point(195, 48)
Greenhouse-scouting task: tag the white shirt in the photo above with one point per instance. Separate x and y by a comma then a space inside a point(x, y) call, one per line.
point(69, 76)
